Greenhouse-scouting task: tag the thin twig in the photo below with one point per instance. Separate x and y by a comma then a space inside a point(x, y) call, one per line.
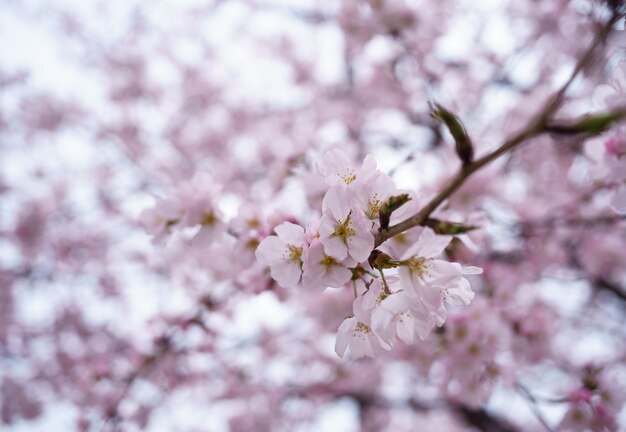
point(533, 406)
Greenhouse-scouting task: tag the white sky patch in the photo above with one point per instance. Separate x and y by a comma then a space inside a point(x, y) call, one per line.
point(501, 100)
point(329, 67)
point(177, 413)
point(339, 416)
point(525, 69)
point(497, 35)
point(457, 43)
point(254, 313)
point(57, 416)
point(568, 297)
point(38, 49)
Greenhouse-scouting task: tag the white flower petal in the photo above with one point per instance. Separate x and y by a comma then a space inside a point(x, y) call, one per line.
point(343, 335)
point(405, 327)
point(360, 247)
point(337, 202)
point(290, 233)
point(619, 200)
point(286, 273)
point(271, 250)
point(428, 245)
point(338, 276)
point(335, 247)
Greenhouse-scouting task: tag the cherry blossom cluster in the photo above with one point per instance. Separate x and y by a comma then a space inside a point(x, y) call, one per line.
point(595, 403)
point(191, 204)
point(335, 250)
point(616, 164)
point(613, 95)
point(339, 249)
point(272, 244)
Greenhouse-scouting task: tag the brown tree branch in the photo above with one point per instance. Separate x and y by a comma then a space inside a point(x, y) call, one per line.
point(537, 126)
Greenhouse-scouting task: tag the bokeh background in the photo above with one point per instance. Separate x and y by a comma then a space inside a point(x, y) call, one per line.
point(105, 105)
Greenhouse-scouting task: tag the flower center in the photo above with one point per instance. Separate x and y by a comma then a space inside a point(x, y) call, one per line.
point(252, 244)
point(373, 207)
point(329, 261)
point(295, 253)
point(400, 238)
point(208, 219)
point(343, 229)
point(362, 328)
point(348, 176)
point(170, 222)
point(383, 295)
point(418, 265)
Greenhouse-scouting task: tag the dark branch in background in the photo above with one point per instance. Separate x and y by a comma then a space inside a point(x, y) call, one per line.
point(538, 125)
point(480, 419)
point(483, 420)
point(534, 406)
point(606, 285)
point(537, 228)
point(527, 228)
point(599, 283)
point(163, 347)
point(148, 363)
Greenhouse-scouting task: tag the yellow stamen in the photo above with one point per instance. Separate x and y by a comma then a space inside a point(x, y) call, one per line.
point(328, 261)
point(295, 253)
point(373, 207)
point(348, 177)
point(208, 219)
point(418, 265)
point(252, 244)
point(343, 229)
point(364, 328)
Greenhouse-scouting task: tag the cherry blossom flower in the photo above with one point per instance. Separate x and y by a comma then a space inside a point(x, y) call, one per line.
point(337, 168)
point(613, 94)
point(619, 200)
point(370, 195)
point(615, 161)
point(249, 219)
point(321, 271)
point(158, 220)
point(198, 198)
point(283, 253)
point(357, 334)
point(397, 313)
point(343, 230)
point(610, 96)
point(433, 280)
point(192, 204)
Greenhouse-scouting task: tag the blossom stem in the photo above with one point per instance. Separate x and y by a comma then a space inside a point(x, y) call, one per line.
point(385, 286)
